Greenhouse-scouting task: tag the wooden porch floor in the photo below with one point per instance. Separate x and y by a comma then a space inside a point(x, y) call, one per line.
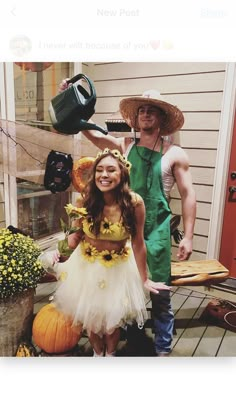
point(192, 338)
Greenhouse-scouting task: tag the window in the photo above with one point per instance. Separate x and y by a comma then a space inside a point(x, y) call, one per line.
point(38, 210)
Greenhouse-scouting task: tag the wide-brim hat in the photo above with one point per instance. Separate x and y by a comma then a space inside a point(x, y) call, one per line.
point(172, 118)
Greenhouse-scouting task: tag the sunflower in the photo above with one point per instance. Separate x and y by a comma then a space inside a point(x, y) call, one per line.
point(102, 283)
point(106, 226)
point(75, 212)
point(108, 258)
point(128, 166)
point(116, 153)
point(124, 254)
point(89, 252)
point(63, 276)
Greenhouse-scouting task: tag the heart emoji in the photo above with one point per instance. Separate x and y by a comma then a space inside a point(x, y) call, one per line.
point(155, 44)
point(167, 44)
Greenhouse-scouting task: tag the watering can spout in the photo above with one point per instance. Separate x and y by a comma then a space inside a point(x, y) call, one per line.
point(86, 126)
point(70, 110)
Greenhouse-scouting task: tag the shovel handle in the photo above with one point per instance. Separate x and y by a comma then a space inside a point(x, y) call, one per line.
point(200, 279)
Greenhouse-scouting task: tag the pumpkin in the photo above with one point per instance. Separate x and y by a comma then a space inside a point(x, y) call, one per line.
point(53, 332)
point(80, 172)
point(26, 349)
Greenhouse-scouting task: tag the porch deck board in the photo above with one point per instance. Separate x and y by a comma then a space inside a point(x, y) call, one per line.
point(189, 330)
point(210, 342)
point(43, 292)
point(228, 344)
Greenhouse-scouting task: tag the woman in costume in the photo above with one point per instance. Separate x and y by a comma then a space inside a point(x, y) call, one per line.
point(105, 278)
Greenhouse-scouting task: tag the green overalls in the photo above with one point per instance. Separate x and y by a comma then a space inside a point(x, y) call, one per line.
point(146, 180)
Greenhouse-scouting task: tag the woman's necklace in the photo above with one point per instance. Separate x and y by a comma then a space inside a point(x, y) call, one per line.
point(149, 176)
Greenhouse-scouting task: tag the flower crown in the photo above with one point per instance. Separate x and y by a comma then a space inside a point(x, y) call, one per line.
point(116, 153)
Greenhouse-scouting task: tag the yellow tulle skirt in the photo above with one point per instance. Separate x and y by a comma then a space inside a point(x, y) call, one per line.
point(99, 294)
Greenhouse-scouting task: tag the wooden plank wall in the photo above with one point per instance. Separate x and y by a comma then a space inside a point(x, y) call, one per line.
point(27, 88)
point(2, 201)
point(196, 88)
point(2, 204)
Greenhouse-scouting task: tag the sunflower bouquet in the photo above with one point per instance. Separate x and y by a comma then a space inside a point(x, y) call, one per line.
point(73, 213)
point(20, 268)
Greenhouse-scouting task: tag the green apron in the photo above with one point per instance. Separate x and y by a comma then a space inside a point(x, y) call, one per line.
point(146, 180)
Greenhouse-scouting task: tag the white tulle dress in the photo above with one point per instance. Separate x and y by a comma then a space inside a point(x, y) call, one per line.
point(101, 290)
point(101, 297)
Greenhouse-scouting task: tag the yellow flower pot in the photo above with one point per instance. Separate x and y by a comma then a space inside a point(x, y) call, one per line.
point(16, 318)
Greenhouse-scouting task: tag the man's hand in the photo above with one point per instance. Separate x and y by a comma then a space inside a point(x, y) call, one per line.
point(185, 249)
point(64, 85)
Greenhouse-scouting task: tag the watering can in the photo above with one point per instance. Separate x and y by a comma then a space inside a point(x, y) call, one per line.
point(70, 110)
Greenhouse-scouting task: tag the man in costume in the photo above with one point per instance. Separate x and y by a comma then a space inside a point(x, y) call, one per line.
point(157, 165)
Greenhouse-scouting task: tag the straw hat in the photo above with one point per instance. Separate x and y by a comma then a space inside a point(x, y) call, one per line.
point(171, 121)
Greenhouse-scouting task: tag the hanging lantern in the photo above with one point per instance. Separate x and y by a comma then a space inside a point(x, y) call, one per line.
point(36, 67)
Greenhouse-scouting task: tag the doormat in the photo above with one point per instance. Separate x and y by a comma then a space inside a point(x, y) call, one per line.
point(220, 313)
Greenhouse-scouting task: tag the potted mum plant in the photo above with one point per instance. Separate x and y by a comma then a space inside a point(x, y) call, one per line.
point(20, 271)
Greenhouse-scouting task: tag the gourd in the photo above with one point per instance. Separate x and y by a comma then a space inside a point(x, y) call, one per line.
point(26, 349)
point(53, 332)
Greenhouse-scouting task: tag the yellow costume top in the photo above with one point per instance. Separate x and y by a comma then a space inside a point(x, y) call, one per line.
point(108, 230)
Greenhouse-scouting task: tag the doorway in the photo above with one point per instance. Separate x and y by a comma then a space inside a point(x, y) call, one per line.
point(228, 239)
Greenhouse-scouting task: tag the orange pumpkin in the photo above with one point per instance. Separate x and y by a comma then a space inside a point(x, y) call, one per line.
point(53, 332)
point(81, 171)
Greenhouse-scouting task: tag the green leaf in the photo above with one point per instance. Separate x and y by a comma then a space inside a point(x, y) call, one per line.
point(72, 230)
point(64, 226)
point(63, 248)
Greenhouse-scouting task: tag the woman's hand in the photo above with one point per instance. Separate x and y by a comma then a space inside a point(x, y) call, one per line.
point(48, 259)
point(155, 286)
point(55, 257)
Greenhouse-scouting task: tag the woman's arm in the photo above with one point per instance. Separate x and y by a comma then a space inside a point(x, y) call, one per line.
point(74, 239)
point(139, 249)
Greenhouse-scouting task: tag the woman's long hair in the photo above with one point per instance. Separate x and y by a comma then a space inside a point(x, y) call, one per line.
point(94, 200)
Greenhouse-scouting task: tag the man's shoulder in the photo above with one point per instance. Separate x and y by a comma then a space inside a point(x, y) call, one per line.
point(127, 142)
point(121, 143)
point(177, 151)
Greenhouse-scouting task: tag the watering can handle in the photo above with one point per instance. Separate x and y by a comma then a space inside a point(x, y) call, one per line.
point(80, 76)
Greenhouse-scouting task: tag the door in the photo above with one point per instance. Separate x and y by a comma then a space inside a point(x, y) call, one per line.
point(228, 239)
